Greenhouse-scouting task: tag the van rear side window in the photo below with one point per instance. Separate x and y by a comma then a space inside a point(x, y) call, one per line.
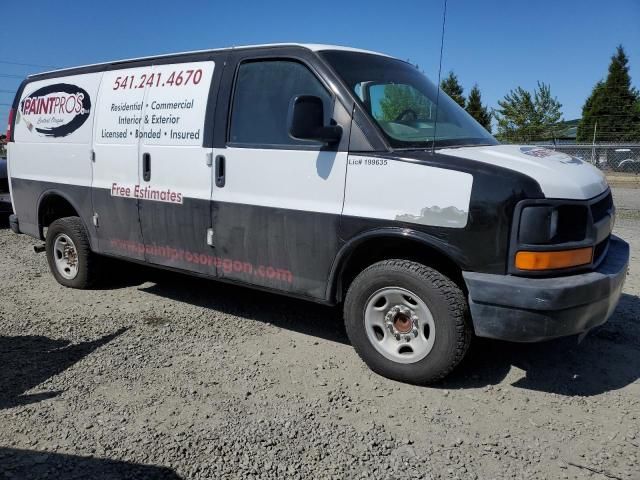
point(263, 95)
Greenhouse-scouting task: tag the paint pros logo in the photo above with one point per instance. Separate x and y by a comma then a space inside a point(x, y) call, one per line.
point(537, 152)
point(56, 110)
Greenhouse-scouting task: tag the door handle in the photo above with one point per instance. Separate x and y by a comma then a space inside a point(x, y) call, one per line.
point(220, 171)
point(146, 167)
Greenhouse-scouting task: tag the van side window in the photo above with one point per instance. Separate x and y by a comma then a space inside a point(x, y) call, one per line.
point(263, 95)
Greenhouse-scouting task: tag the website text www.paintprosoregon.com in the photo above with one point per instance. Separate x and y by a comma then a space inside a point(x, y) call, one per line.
point(227, 265)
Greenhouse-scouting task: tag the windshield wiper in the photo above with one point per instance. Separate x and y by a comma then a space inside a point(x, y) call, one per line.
point(467, 145)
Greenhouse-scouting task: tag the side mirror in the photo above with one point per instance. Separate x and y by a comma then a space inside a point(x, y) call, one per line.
point(307, 121)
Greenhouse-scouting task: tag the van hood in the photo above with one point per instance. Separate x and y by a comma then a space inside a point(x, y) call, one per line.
point(558, 174)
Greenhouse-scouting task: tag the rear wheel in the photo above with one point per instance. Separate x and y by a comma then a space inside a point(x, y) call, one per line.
point(70, 258)
point(407, 321)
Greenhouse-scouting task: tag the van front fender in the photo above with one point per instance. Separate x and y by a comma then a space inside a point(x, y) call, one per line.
point(433, 246)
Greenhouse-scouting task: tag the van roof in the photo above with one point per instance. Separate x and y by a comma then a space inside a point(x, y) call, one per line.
point(316, 47)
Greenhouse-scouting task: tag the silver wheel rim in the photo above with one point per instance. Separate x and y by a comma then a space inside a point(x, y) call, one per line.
point(65, 256)
point(399, 325)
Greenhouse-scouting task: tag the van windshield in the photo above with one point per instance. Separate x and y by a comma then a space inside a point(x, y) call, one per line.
point(402, 101)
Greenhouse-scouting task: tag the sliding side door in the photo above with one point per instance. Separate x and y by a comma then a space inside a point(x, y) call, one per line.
point(117, 130)
point(175, 167)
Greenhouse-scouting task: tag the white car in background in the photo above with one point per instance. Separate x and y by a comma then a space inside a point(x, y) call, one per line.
point(624, 161)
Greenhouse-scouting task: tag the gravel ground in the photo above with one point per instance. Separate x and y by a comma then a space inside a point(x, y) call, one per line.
point(165, 376)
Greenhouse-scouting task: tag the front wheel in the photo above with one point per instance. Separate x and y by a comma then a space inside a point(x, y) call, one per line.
point(407, 321)
point(69, 254)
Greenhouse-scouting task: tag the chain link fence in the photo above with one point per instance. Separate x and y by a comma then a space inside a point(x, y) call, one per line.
point(609, 157)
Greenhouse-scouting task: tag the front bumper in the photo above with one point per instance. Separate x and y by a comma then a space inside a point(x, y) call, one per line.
point(522, 309)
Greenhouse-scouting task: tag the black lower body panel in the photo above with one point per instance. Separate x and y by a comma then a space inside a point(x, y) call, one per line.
point(533, 309)
point(13, 224)
point(5, 203)
point(279, 249)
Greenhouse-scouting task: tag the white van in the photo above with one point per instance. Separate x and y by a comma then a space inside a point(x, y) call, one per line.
point(321, 172)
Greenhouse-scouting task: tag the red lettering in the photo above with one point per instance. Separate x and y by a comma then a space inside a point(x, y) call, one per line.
point(80, 98)
point(73, 105)
point(227, 265)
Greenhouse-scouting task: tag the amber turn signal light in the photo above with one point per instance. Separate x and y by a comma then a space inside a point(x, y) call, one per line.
point(553, 260)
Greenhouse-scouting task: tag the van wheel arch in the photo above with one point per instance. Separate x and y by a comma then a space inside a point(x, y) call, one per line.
point(372, 247)
point(52, 206)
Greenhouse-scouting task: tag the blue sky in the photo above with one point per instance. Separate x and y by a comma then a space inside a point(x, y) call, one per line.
point(498, 44)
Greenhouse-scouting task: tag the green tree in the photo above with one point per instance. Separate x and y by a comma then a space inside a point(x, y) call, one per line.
point(593, 108)
point(612, 111)
point(525, 117)
point(477, 110)
point(400, 98)
point(451, 86)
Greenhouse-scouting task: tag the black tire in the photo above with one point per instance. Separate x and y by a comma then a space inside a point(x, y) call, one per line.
point(443, 298)
point(87, 261)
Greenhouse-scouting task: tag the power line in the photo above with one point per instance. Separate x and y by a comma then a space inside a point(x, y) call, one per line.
point(28, 64)
point(6, 75)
